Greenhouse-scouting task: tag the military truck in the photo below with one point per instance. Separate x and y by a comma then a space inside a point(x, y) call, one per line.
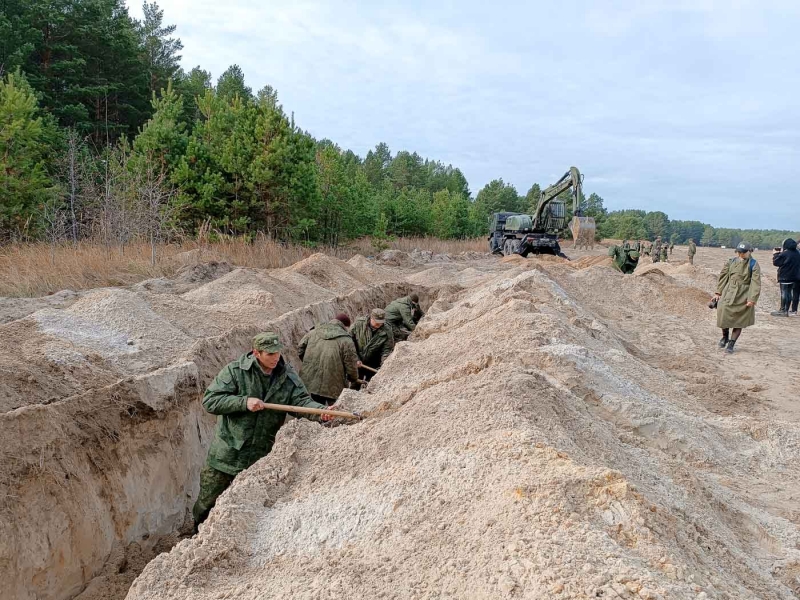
point(496, 232)
point(538, 233)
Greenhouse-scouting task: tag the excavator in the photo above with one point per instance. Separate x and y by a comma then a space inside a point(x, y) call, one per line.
point(538, 233)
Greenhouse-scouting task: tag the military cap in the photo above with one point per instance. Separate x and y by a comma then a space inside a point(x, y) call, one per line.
point(267, 342)
point(743, 247)
point(378, 315)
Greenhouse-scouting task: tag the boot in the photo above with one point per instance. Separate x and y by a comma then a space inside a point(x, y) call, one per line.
point(731, 344)
point(779, 313)
point(723, 342)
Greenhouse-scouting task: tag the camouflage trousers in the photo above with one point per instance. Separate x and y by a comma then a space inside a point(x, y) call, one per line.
point(212, 484)
point(691, 259)
point(400, 334)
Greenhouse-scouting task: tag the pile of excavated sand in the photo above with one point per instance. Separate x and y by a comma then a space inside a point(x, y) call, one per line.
point(327, 272)
point(590, 261)
point(370, 270)
point(517, 447)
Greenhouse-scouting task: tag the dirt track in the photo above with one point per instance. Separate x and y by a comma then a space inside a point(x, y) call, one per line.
point(549, 431)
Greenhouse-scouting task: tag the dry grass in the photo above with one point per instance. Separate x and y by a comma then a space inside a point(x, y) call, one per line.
point(37, 269)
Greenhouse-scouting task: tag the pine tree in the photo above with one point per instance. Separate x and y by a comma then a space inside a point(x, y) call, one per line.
point(161, 50)
point(24, 182)
point(231, 84)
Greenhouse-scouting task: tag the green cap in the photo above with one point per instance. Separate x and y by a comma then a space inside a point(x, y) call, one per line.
point(267, 342)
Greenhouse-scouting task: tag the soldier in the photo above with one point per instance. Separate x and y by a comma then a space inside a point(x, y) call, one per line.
point(657, 249)
point(400, 316)
point(626, 245)
point(647, 248)
point(738, 289)
point(329, 360)
point(245, 430)
point(624, 260)
point(692, 251)
point(373, 339)
point(671, 247)
point(637, 247)
point(664, 249)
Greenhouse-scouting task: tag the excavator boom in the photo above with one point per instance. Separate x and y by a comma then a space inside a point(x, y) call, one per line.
point(570, 179)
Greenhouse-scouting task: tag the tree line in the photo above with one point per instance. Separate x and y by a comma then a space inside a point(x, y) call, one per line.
point(103, 135)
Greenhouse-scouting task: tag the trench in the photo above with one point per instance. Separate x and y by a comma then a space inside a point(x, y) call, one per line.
point(94, 485)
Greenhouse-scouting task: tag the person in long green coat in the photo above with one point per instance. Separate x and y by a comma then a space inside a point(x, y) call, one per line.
point(738, 289)
point(329, 359)
point(245, 431)
point(692, 251)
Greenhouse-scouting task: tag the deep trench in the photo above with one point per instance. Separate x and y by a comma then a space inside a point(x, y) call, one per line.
point(104, 481)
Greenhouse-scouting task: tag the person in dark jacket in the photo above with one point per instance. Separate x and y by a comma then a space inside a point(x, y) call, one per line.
point(788, 262)
point(329, 360)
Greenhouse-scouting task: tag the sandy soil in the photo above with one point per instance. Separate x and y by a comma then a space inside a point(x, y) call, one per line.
point(552, 429)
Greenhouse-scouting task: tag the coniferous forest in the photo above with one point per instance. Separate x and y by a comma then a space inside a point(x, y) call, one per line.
point(103, 135)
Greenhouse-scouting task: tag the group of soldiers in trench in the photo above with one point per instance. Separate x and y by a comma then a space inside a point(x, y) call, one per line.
point(334, 355)
point(626, 256)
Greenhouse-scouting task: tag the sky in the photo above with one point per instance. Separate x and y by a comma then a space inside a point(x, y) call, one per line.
point(685, 106)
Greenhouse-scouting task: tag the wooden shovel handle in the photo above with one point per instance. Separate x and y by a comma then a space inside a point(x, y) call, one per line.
point(310, 411)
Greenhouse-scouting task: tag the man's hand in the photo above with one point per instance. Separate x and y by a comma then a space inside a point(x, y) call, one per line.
point(749, 304)
point(359, 364)
point(255, 405)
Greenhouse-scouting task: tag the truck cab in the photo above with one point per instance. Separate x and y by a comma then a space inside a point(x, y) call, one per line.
point(497, 224)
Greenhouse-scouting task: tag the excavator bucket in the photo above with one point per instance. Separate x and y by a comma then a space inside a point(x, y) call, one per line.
point(583, 229)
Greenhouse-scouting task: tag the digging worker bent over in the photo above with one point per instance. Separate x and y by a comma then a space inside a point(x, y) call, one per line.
point(373, 338)
point(403, 315)
point(329, 360)
point(245, 430)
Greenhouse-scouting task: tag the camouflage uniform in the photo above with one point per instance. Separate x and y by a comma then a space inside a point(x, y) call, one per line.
point(692, 251)
point(243, 437)
point(400, 315)
point(373, 345)
point(657, 250)
point(329, 360)
point(664, 253)
point(624, 260)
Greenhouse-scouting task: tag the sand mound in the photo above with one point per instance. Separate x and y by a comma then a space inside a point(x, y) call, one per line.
point(327, 272)
point(394, 258)
point(370, 270)
point(591, 261)
point(551, 463)
point(514, 259)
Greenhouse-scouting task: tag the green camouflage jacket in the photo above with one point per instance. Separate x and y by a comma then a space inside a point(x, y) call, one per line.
point(329, 359)
point(400, 314)
point(242, 437)
point(692, 249)
point(373, 347)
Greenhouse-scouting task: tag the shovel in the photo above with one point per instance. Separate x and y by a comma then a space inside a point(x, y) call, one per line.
point(311, 411)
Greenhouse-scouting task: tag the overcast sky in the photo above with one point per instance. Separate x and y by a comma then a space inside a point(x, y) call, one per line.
point(685, 106)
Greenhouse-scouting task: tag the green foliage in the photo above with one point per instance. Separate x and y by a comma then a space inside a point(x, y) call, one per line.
point(24, 182)
point(497, 196)
point(236, 162)
point(231, 84)
point(160, 49)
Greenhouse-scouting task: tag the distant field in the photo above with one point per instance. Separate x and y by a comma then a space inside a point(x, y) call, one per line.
point(39, 269)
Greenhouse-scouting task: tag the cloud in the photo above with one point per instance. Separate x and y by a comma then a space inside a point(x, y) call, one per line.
point(675, 105)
